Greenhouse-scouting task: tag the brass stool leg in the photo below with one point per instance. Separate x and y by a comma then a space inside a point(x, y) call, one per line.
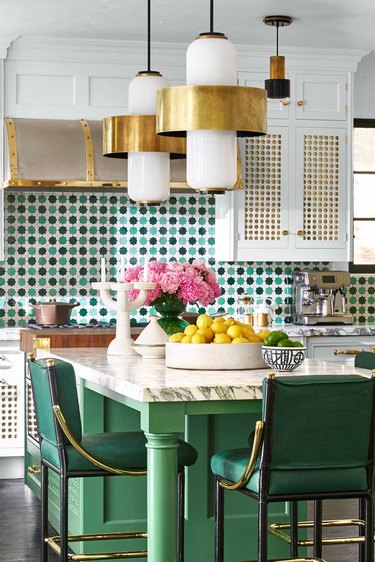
point(44, 515)
point(318, 517)
point(293, 529)
point(219, 522)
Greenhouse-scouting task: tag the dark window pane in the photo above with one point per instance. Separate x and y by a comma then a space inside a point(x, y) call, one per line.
point(364, 242)
point(364, 196)
point(364, 149)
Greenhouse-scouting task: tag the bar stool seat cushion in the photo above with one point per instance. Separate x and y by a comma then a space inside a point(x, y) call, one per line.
point(123, 450)
point(231, 465)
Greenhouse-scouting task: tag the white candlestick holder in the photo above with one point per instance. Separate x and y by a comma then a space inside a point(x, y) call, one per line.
point(122, 344)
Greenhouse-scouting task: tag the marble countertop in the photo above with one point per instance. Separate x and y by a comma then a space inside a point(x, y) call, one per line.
point(327, 330)
point(9, 334)
point(149, 380)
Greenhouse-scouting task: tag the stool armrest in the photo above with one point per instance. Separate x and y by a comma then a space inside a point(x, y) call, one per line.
point(258, 437)
point(78, 447)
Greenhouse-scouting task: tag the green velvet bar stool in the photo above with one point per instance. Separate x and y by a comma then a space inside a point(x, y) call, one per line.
point(365, 360)
point(315, 442)
point(72, 454)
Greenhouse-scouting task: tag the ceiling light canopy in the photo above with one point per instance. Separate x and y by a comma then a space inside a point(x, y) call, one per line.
point(277, 86)
point(134, 136)
point(211, 111)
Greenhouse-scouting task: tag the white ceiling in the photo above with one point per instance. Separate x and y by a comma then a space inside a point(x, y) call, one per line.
point(318, 23)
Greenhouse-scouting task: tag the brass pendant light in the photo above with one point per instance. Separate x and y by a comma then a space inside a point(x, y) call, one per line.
point(211, 111)
point(277, 86)
point(134, 137)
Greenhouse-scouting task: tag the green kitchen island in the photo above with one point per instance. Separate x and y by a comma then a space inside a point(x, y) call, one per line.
point(125, 393)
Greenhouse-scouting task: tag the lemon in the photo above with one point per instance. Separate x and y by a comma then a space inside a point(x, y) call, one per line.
point(229, 321)
point(253, 338)
point(219, 319)
point(207, 333)
point(219, 327)
point(240, 340)
point(247, 331)
point(234, 332)
point(263, 334)
point(190, 330)
point(198, 338)
point(186, 339)
point(204, 321)
point(177, 337)
point(222, 338)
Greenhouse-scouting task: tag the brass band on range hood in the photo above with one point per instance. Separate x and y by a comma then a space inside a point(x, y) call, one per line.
point(137, 133)
point(220, 108)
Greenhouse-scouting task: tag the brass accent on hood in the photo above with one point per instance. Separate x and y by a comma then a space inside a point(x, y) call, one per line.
point(68, 154)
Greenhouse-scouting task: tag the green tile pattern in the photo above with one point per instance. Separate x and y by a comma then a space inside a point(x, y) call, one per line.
point(54, 242)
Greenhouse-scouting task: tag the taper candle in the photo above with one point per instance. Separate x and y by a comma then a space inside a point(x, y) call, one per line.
point(103, 272)
point(145, 271)
point(121, 276)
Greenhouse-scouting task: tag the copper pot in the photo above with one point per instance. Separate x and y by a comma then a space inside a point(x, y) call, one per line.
point(53, 312)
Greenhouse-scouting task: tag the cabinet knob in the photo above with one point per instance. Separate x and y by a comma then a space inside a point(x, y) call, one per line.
point(285, 102)
point(300, 103)
point(285, 232)
point(300, 232)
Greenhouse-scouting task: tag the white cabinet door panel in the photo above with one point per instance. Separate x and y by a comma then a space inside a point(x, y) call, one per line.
point(321, 97)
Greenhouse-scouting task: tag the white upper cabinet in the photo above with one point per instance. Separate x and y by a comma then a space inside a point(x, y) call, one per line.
point(321, 96)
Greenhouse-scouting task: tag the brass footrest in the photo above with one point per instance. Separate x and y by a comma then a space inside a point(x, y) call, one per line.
point(277, 529)
point(54, 544)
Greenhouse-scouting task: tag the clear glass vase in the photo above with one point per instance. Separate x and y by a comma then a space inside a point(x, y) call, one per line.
point(169, 307)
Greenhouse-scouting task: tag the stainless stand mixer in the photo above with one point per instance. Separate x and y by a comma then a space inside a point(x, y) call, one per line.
point(319, 297)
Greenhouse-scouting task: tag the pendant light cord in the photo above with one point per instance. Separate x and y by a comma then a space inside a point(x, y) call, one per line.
point(211, 16)
point(148, 35)
point(277, 39)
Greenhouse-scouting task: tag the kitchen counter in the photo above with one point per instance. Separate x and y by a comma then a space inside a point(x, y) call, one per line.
point(9, 334)
point(297, 330)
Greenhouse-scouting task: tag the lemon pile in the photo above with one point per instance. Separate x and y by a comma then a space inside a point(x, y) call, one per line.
point(218, 330)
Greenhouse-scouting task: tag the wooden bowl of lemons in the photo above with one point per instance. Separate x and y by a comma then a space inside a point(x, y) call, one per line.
point(216, 344)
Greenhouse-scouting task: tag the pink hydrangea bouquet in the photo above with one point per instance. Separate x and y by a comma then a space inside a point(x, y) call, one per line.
point(192, 283)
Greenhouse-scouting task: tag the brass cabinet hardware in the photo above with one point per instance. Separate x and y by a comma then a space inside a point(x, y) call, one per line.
point(347, 351)
point(285, 232)
point(41, 343)
point(300, 103)
point(33, 469)
point(285, 102)
point(300, 232)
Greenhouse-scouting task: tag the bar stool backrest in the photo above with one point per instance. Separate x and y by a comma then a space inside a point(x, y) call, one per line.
point(51, 387)
point(318, 422)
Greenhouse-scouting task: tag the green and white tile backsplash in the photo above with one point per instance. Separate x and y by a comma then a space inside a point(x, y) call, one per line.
point(54, 242)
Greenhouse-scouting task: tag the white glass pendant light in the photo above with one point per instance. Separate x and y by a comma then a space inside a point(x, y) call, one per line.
point(211, 110)
point(134, 137)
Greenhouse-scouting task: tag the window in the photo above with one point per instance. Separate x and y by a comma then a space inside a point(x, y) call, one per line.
point(363, 196)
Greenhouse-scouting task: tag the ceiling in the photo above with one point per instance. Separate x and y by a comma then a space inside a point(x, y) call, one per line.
point(318, 23)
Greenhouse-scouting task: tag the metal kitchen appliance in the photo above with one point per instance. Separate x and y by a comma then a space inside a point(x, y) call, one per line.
point(319, 297)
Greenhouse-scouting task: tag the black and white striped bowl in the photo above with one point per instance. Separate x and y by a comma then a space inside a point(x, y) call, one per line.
point(283, 358)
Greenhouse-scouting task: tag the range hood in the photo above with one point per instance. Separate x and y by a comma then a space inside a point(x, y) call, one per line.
point(45, 153)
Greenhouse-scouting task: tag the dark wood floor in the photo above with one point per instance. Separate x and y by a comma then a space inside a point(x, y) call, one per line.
point(19, 523)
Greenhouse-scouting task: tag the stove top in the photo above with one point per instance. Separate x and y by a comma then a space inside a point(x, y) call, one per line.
point(35, 326)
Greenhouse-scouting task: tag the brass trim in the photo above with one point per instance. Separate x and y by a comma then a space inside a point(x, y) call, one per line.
point(212, 35)
point(220, 108)
point(41, 343)
point(50, 362)
point(277, 68)
point(53, 543)
point(33, 469)
point(282, 21)
point(285, 102)
point(137, 133)
point(77, 183)
point(276, 529)
point(12, 146)
point(78, 447)
point(300, 103)
point(148, 73)
point(89, 149)
point(258, 436)
point(30, 356)
point(271, 374)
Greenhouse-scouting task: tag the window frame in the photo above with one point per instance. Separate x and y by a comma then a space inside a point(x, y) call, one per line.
point(361, 268)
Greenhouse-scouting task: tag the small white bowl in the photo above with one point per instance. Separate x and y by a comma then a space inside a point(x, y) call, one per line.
point(283, 358)
point(150, 351)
